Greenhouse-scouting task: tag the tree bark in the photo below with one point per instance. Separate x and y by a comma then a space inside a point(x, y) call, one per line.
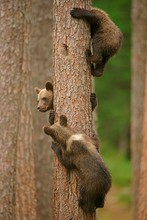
point(142, 205)
point(25, 178)
point(139, 20)
point(41, 67)
point(9, 70)
point(72, 88)
point(17, 200)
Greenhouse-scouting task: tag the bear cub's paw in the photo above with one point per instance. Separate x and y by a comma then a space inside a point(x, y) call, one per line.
point(87, 54)
point(76, 12)
point(51, 117)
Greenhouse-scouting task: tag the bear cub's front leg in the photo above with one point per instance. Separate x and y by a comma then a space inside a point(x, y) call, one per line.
point(51, 117)
point(85, 14)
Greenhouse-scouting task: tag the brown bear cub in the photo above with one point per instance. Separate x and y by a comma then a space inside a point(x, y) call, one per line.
point(79, 152)
point(45, 97)
point(106, 37)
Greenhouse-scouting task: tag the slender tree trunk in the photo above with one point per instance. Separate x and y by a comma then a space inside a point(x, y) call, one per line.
point(17, 200)
point(142, 204)
point(139, 21)
point(72, 88)
point(41, 66)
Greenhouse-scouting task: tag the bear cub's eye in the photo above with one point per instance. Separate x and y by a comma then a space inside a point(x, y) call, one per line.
point(44, 98)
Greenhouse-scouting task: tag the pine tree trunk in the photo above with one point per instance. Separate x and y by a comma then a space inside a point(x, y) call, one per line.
point(139, 18)
point(41, 67)
point(142, 205)
point(17, 200)
point(72, 88)
point(25, 178)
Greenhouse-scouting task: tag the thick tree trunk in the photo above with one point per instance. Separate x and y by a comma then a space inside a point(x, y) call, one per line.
point(17, 200)
point(72, 88)
point(41, 67)
point(25, 178)
point(139, 18)
point(9, 73)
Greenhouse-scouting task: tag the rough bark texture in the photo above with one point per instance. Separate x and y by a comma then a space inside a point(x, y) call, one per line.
point(17, 200)
point(25, 178)
point(142, 200)
point(139, 18)
point(9, 92)
point(72, 88)
point(41, 67)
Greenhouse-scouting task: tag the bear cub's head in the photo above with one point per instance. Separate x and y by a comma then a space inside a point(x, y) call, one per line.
point(45, 97)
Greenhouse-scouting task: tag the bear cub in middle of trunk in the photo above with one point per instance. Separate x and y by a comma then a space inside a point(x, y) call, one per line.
point(79, 152)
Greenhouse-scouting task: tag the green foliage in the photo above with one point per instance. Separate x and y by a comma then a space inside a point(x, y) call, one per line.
point(119, 165)
point(113, 92)
point(125, 196)
point(113, 88)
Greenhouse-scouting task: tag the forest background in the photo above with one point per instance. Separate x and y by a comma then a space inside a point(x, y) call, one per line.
point(26, 159)
point(113, 115)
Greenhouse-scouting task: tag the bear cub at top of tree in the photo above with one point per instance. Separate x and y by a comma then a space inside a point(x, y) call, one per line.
point(106, 37)
point(45, 97)
point(77, 151)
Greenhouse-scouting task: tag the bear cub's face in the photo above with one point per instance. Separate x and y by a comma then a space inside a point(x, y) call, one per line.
point(45, 97)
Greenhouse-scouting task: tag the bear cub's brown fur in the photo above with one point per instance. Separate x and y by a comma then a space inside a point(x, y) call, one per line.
point(79, 152)
point(106, 37)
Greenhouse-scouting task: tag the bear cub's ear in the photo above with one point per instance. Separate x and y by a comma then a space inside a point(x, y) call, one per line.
point(47, 130)
point(49, 86)
point(37, 90)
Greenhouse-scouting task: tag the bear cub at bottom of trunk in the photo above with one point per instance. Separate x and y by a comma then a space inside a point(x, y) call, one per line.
point(78, 152)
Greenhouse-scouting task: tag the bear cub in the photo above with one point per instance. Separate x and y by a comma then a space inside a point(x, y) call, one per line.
point(78, 152)
point(45, 97)
point(106, 37)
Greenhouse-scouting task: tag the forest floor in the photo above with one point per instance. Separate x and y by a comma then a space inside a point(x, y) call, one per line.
point(117, 205)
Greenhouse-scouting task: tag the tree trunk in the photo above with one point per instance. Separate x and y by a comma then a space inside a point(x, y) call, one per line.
point(17, 200)
point(142, 205)
point(25, 178)
point(41, 66)
point(9, 72)
point(139, 18)
point(72, 88)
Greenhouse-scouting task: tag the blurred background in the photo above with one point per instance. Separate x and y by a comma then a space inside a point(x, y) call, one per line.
point(113, 115)
point(26, 62)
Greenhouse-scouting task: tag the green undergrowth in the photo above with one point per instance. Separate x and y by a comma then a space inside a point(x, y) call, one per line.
point(119, 165)
point(120, 169)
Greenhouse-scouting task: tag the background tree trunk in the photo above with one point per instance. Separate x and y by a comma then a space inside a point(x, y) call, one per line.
point(41, 66)
point(9, 91)
point(139, 18)
point(25, 178)
point(142, 205)
point(17, 188)
point(72, 88)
